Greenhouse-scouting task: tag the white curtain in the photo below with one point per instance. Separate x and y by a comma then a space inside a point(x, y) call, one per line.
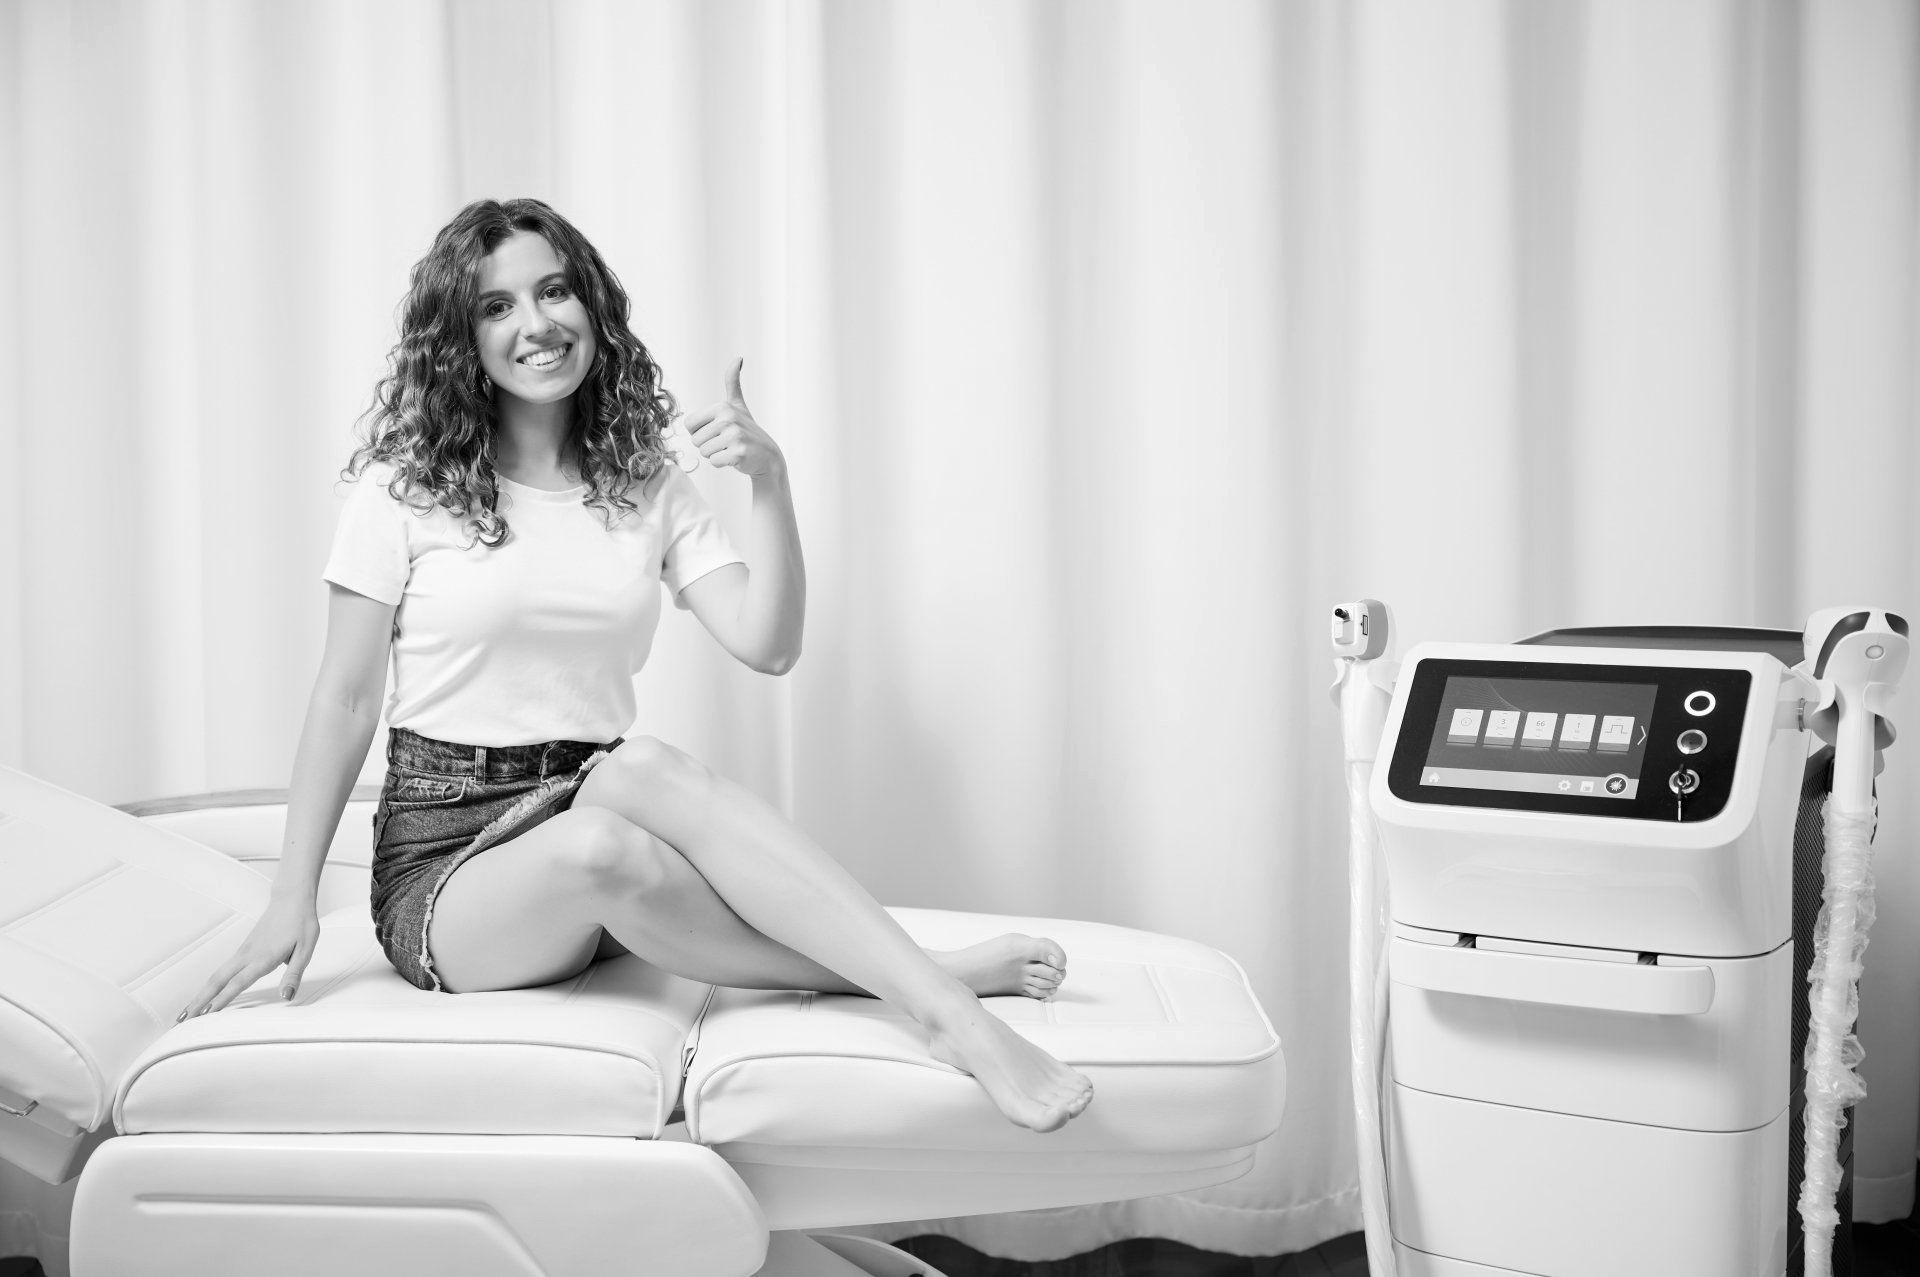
point(1109, 344)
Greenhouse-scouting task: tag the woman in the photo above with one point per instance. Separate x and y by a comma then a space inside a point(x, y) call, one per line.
point(514, 513)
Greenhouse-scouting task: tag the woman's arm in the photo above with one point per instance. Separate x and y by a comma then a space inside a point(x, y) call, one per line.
point(757, 612)
point(341, 717)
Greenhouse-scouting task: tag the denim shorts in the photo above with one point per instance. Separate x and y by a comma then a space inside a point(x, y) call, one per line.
point(444, 803)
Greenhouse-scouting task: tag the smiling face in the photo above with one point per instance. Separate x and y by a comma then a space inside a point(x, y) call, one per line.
point(535, 336)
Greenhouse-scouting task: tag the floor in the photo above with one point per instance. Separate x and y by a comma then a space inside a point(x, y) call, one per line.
point(1341, 1257)
point(1888, 1250)
point(1880, 1250)
point(1147, 1257)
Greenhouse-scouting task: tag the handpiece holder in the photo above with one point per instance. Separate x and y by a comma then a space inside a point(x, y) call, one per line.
point(1364, 637)
point(1855, 656)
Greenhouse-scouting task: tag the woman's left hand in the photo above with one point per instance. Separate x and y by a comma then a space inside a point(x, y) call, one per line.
point(727, 434)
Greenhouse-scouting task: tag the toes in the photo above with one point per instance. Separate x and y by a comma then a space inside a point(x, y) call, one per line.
point(1047, 1120)
point(1073, 1103)
point(1065, 1108)
point(1041, 981)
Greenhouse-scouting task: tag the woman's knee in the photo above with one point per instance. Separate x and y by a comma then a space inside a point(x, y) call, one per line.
point(611, 855)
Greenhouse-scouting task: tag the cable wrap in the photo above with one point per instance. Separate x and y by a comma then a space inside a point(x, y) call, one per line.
point(1833, 1052)
point(1366, 1012)
point(1361, 690)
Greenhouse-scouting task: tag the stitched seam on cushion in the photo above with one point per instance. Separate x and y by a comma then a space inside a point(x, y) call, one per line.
point(1273, 1034)
point(78, 889)
point(581, 981)
point(1160, 991)
point(146, 1066)
point(95, 1074)
point(689, 1046)
point(331, 1040)
point(1171, 966)
point(180, 953)
point(1235, 1061)
point(342, 978)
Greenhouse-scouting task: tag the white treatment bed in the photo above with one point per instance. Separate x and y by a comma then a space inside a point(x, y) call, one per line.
point(624, 1121)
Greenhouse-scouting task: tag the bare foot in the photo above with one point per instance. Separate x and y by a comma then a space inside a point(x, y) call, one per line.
point(1032, 1088)
point(1030, 966)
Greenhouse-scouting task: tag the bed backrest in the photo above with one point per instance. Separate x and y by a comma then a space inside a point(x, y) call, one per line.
point(250, 826)
point(107, 925)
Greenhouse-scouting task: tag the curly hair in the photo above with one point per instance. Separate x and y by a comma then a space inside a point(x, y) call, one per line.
point(433, 417)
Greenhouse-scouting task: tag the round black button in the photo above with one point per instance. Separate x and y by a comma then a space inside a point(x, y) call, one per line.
point(1692, 741)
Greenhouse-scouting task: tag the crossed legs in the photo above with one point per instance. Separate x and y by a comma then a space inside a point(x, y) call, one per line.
point(762, 908)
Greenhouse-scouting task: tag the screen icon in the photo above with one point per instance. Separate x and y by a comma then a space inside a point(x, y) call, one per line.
point(1433, 778)
point(1576, 731)
point(1539, 733)
point(1502, 726)
point(1586, 787)
point(1616, 784)
point(1565, 785)
point(1616, 733)
point(1465, 727)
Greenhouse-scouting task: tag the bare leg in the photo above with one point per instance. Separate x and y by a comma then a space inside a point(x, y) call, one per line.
point(783, 885)
point(1009, 965)
point(533, 909)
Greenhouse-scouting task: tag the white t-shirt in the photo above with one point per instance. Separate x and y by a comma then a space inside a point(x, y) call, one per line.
point(534, 640)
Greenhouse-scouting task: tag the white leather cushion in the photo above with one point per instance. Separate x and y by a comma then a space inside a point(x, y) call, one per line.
point(254, 833)
point(360, 1049)
point(106, 927)
point(1181, 1056)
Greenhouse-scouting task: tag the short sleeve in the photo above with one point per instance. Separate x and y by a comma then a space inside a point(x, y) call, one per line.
point(695, 542)
point(369, 553)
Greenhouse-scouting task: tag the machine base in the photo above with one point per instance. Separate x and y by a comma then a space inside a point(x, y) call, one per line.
point(411, 1206)
point(1553, 1195)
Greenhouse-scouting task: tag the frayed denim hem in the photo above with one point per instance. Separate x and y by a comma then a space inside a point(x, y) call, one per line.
point(502, 827)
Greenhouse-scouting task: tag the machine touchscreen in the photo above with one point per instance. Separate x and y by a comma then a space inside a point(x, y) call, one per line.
point(1643, 742)
point(1541, 736)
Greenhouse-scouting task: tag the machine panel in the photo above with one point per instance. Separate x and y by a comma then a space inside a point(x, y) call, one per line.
point(1594, 740)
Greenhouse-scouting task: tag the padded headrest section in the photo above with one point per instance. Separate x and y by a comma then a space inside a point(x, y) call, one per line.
point(106, 928)
point(253, 831)
point(1181, 1056)
point(360, 1049)
point(254, 834)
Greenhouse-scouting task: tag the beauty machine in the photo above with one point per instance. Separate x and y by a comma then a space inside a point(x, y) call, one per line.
point(622, 1121)
point(1610, 893)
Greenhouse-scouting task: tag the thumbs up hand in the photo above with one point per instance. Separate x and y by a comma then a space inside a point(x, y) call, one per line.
point(727, 435)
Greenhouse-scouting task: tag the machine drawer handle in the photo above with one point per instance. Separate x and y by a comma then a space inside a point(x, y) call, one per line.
point(1567, 982)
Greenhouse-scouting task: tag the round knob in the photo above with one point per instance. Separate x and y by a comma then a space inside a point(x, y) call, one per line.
point(1684, 781)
